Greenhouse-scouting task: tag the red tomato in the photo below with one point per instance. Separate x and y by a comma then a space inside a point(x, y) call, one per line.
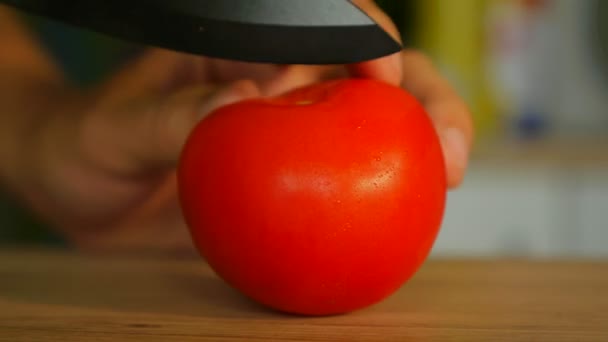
point(322, 201)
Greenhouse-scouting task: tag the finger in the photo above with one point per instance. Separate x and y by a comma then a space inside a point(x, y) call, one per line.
point(149, 134)
point(169, 124)
point(296, 76)
point(450, 114)
point(389, 68)
point(223, 71)
point(272, 79)
point(155, 71)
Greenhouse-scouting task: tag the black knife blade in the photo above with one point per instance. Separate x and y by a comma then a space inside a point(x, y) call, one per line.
point(265, 31)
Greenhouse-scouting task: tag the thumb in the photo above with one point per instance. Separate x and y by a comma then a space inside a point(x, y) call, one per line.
point(150, 134)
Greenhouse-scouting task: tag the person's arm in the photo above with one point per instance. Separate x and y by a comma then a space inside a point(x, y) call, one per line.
point(29, 83)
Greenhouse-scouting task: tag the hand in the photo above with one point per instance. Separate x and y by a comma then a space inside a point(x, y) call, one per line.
point(415, 72)
point(99, 164)
point(101, 167)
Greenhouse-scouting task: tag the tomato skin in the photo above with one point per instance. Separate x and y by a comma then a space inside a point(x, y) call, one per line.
point(323, 201)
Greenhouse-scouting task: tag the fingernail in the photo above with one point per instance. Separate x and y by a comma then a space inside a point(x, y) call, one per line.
point(455, 151)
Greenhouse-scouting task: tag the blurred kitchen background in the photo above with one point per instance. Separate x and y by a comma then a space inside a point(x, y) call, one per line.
point(535, 73)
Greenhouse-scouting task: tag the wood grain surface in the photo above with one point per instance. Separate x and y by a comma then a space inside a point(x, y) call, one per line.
point(65, 296)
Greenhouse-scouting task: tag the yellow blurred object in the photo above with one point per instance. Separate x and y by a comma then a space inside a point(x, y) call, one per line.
point(453, 33)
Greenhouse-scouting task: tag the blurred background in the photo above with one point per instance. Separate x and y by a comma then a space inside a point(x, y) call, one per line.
point(535, 73)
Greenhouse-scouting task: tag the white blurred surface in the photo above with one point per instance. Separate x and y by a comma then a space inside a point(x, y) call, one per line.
point(527, 211)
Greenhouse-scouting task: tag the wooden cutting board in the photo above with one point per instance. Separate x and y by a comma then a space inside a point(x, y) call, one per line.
point(65, 296)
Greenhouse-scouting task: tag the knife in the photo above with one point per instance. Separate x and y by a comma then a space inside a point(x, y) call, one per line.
point(263, 31)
